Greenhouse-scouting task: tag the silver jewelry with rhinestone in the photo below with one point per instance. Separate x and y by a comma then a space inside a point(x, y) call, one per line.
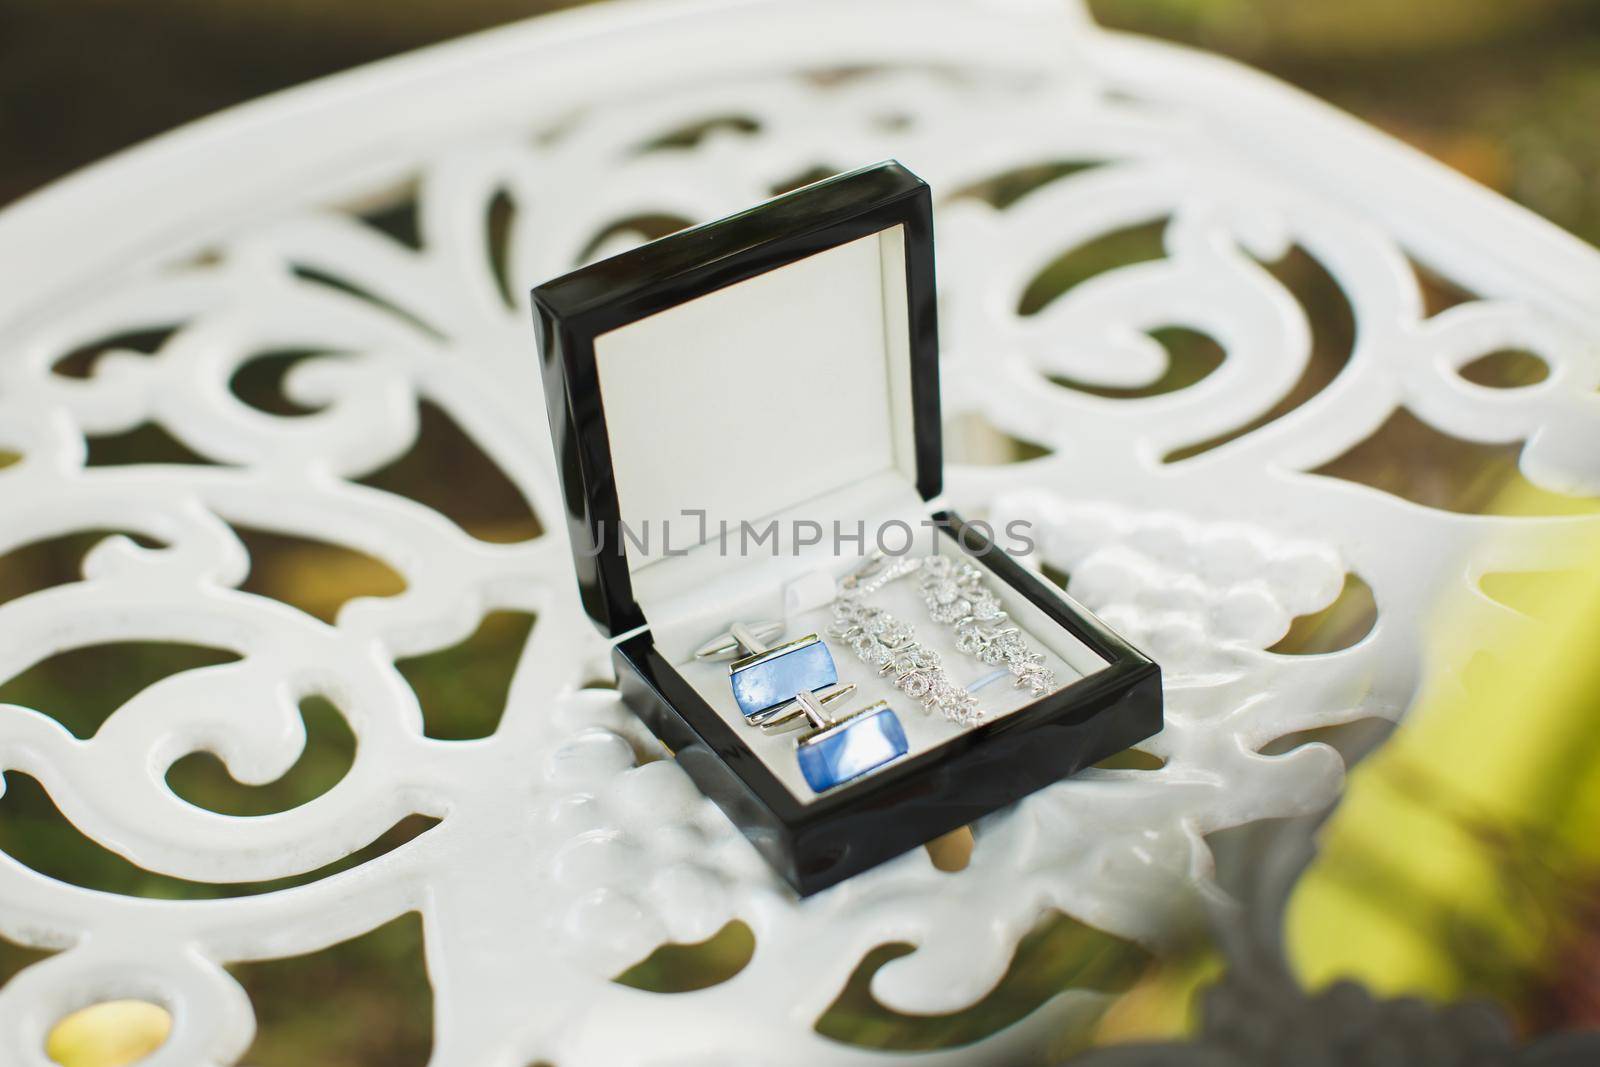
point(878, 571)
point(956, 596)
point(880, 640)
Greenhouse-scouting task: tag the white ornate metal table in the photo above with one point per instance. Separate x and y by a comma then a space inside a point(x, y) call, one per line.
point(566, 850)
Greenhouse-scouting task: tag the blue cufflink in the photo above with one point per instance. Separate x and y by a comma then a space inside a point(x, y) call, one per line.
point(767, 678)
point(772, 678)
point(838, 752)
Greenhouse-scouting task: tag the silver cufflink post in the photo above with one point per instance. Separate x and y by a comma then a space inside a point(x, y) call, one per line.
point(741, 639)
point(805, 709)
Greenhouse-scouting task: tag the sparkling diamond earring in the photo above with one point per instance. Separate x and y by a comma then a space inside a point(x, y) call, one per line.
point(838, 751)
point(956, 597)
point(765, 678)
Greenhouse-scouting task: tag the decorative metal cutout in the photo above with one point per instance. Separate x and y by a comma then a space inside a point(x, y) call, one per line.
point(384, 231)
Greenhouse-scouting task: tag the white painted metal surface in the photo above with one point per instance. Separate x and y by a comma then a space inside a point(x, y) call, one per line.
point(560, 860)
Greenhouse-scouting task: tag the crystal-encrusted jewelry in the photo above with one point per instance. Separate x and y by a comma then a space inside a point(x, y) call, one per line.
point(880, 640)
point(956, 596)
point(766, 678)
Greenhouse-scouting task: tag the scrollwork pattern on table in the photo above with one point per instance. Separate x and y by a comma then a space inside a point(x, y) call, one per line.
point(567, 847)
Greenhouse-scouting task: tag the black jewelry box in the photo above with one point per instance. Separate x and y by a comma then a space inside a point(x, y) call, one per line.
point(731, 407)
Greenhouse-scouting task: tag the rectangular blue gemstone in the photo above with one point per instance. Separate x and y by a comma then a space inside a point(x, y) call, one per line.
point(775, 679)
point(851, 749)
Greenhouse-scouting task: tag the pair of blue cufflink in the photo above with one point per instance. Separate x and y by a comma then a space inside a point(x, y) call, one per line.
point(789, 686)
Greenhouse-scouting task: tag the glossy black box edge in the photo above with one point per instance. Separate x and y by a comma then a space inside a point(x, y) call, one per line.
point(858, 826)
point(571, 311)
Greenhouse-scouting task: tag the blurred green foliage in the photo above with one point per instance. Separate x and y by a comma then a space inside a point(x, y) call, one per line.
point(1508, 93)
point(1462, 859)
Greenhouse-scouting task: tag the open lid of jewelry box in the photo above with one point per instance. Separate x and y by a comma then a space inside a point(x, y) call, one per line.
point(749, 381)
